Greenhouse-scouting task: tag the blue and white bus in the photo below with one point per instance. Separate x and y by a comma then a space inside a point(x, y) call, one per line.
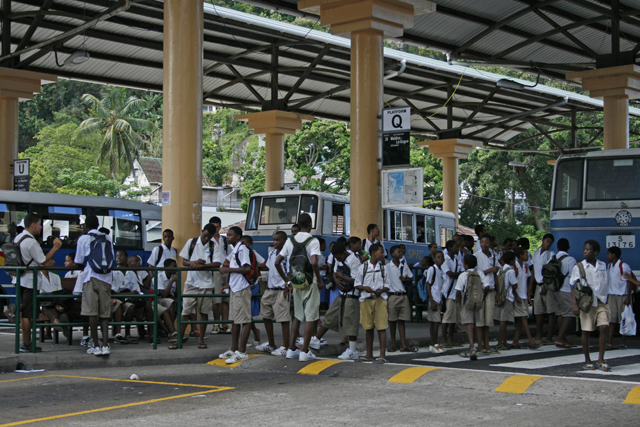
point(63, 216)
point(278, 210)
point(596, 196)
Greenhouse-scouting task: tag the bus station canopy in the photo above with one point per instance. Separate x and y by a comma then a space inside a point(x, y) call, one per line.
point(253, 63)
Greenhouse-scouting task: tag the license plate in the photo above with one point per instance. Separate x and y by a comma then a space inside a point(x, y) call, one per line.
point(622, 242)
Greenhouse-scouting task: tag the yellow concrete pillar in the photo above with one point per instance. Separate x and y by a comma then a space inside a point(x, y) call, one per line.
point(274, 124)
point(182, 129)
point(450, 150)
point(367, 22)
point(15, 85)
point(616, 85)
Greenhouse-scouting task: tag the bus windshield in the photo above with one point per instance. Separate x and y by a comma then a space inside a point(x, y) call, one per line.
point(569, 184)
point(280, 210)
point(613, 179)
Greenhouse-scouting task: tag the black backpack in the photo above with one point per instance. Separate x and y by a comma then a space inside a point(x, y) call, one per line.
point(192, 247)
point(12, 253)
point(100, 258)
point(300, 265)
point(346, 271)
point(552, 277)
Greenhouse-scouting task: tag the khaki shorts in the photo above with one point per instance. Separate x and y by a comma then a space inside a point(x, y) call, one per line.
point(452, 313)
point(542, 304)
point(203, 304)
point(520, 309)
point(468, 316)
point(563, 302)
point(434, 316)
point(161, 309)
point(306, 303)
point(616, 306)
point(219, 280)
point(275, 306)
point(343, 316)
point(489, 307)
point(506, 311)
point(114, 307)
point(399, 308)
point(596, 317)
point(373, 313)
point(240, 306)
point(96, 299)
point(165, 302)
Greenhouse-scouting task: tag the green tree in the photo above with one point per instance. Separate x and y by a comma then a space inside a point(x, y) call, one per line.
point(115, 117)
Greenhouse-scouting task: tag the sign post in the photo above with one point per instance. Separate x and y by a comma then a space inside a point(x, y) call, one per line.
point(396, 128)
point(21, 176)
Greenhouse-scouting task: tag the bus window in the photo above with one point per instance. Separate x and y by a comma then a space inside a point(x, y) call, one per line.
point(610, 179)
point(253, 214)
point(338, 219)
point(401, 226)
point(421, 231)
point(309, 205)
point(11, 216)
point(396, 225)
point(568, 185)
point(63, 222)
point(407, 227)
point(125, 226)
point(431, 229)
point(279, 210)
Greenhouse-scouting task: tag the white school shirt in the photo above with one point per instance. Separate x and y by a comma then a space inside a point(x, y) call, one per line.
point(434, 274)
point(274, 281)
point(163, 280)
point(167, 253)
point(617, 282)
point(394, 273)
point(485, 263)
point(198, 279)
point(510, 280)
point(52, 284)
point(462, 279)
point(142, 274)
point(373, 279)
point(567, 265)
point(540, 259)
point(478, 248)
point(131, 282)
point(219, 253)
point(77, 289)
point(353, 262)
point(237, 281)
point(118, 280)
point(522, 275)
point(597, 280)
point(32, 256)
point(83, 249)
point(313, 248)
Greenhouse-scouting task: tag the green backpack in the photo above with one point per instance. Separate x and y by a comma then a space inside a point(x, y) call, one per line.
point(501, 288)
point(473, 299)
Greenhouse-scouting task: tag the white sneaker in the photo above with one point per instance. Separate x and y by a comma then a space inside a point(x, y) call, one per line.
point(106, 350)
point(96, 351)
point(264, 347)
point(237, 357)
point(432, 349)
point(305, 357)
point(323, 341)
point(280, 351)
point(227, 354)
point(293, 354)
point(314, 343)
point(300, 341)
point(349, 355)
point(439, 348)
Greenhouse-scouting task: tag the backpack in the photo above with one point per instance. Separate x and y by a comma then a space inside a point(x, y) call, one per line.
point(501, 288)
point(254, 273)
point(583, 294)
point(100, 257)
point(473, 298)
point(192, 247)
point(300, 265)
point(366, 267)
point(12, 254)
point(552, 277)
point(344, 268)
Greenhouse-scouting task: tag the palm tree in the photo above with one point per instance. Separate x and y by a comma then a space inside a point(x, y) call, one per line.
point(116, 117)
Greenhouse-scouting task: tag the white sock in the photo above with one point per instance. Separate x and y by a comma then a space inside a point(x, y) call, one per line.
point(352, 346)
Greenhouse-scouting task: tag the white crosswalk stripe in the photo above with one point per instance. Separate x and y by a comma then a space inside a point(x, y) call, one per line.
point(450, 357)
point(564, 360)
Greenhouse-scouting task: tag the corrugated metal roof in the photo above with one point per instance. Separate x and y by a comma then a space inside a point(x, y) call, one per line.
point(152, 168)
point(127, 50)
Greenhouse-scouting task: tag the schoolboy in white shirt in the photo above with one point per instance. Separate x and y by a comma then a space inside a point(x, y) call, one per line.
point(275, 303)
point(522, 301)
point(221, 250)
point(488, 264)
point(541, 304)
point(563, 299)
point(398, 304)
point(619, 292)
point(373, 285)
point(472, 319)
point(506, 311)
point(164, 251)
point(451, 270)
point(595, 277)
point(433, 276)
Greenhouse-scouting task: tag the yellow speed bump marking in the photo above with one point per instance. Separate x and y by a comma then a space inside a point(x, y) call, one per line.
point(517, 384)
point(634, 396)
point(221, 362)
point(409, 375)
point(316, 367)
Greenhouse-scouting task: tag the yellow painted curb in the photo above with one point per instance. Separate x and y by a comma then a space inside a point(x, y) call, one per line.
point(634, 396)
point(316, 367)
point(409, 375)
point(517, 384)
point(220, 362)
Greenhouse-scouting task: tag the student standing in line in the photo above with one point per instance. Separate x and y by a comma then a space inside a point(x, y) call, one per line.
point(398, 303)
point(473, 319)
point(434, 276)
point(451, 271)
point(522, 301)
point(619, 292)
point(541, 304)
point(506, 311)
point(592, 273)
point(221, 251)
point(563, 298)
point(487, 263)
